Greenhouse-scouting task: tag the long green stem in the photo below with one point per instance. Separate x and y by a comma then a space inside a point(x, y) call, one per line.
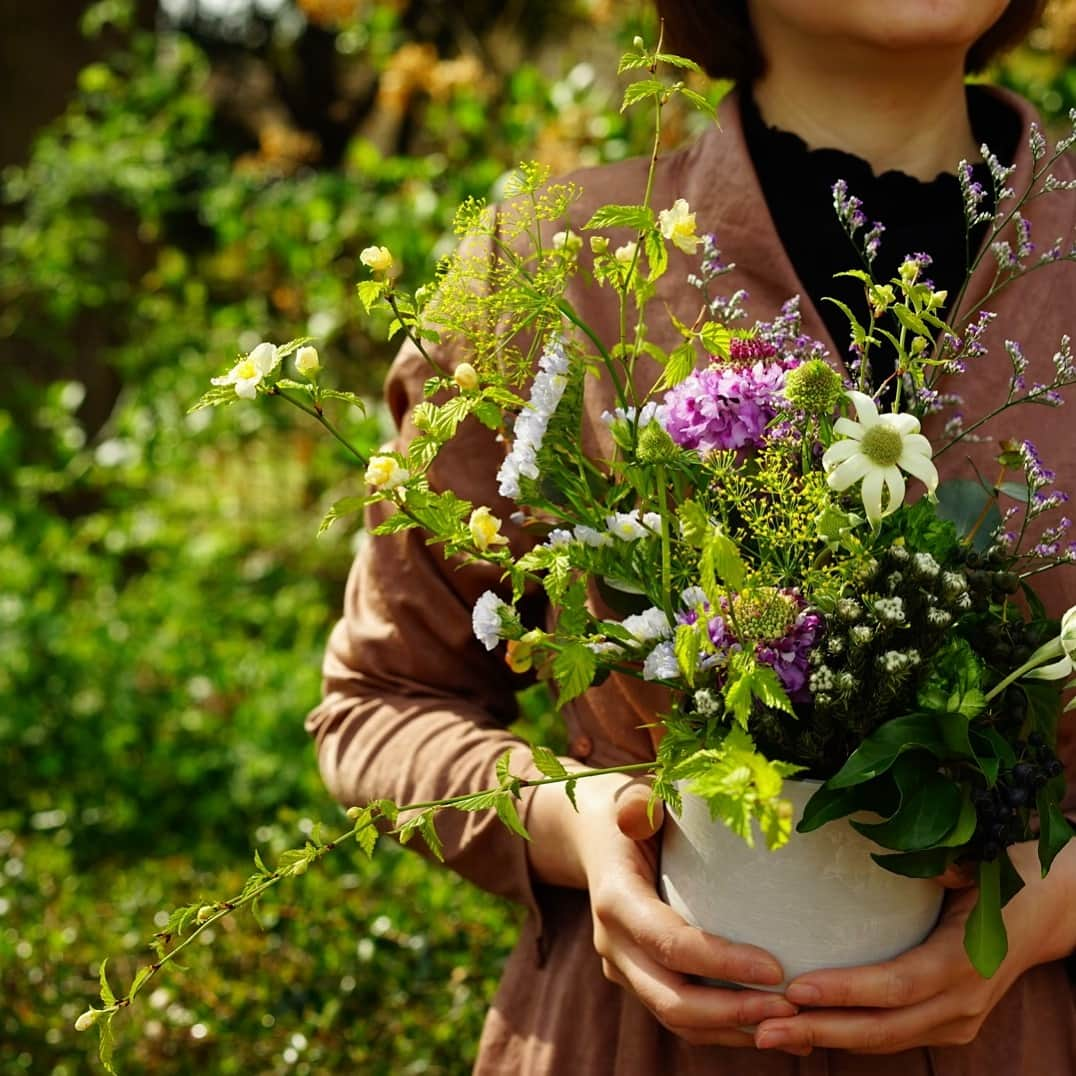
point(318, 416)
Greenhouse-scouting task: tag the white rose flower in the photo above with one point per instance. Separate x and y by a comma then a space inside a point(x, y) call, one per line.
point(661, 663)
point(385, 472)
point(377, 259)
point(247, 374)
point(648, 626)
point(307, 362)
point(486, 620)
point(877, 448)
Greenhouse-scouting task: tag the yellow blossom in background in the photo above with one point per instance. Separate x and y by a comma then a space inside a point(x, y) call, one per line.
point(465, 377)
point(678, 226)
point(384, 472)
point(378, 259)
point(486, 529)
point(307, 362)
point(520, 656)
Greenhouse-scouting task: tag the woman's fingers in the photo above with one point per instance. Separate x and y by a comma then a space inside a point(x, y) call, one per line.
point(637, 816)
point(701, 1014)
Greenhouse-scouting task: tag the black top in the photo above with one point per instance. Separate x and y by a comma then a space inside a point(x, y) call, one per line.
point(919, 216)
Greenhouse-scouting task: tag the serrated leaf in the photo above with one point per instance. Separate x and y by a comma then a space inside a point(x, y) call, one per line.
point(716, 338)
point(293, 345)
point(509, 815)
point(107, 996)
point(217, 396)
point(398, 521)
point(679, 367)
point(657, 256)
point(677, 61)
point(697, 101)
point(686, 647)
point(767, 688)
point(694, 523)
point(344, 507)
point(260, 863)
point(910, 321)
point(347, 397)
point(985, 940)
point(488, 413)
point(573, 669)
point(504, 769)
point(106, 1044)
point(139, 981)
point(642, 90)
point(638, 217)
point(631, 61)
point(721, 560)
point(547, 763)
point(370, 291)
point(429, 835)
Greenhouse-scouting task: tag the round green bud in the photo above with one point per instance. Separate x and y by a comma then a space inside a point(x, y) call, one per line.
point(814, 387)
point(655, 445)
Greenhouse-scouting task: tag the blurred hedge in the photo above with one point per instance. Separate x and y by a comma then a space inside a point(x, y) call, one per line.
point(164, 603)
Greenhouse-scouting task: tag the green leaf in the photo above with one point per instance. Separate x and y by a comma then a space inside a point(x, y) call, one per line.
point(347, 397)
point(488, 413)
point(1054, 829)
point(398, 521)
point(640, 91)
point(547, 763)
point(694, 523)
point(716, 338)
point(700, 103)
point(139, 981)
point(263, 870)
point(985, 940)
point(910, 321)
point(574, 669)
point(429, 835)
point(738, 694)
point(962, 501)
point(930, 808)
point(886, 744)
point(509, 815)
point(370, 291)
point(686, 646)
point(631, 61)
point(106, 991)
point(677, 61)
point(639, 217)
point(217, 396)
point(504, 769)
point(767, 688)
point(657, 255)
point(681, 364)
point(1011, 882)
point(106, 1044)
point(346, 506)
point(721, 558)
point(928, 863)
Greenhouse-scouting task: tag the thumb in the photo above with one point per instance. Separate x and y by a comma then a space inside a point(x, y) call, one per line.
point(635, 816)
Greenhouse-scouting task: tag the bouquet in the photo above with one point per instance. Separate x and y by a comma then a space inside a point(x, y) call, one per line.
point(761, 534)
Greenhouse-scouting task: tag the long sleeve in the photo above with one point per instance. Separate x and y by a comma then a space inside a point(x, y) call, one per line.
point(414, 707)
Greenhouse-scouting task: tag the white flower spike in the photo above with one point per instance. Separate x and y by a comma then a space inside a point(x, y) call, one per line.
point(875, 450)
point(247, 374)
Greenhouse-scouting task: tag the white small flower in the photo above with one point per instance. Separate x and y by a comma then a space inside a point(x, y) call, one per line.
point(569, 241)
point(661, 663)
point(652, 522)
point(377, 259)
point(1064, 646)
point(648, 626)
point(678, 226)
point(693, 597)
point(87, 1020)
point(876, 449)
point(626, 254)
point(307, 362)
point(486, 619)
point(559, 538)
point(247, 374)
point(385, 472)
point(627, 526)
point(590, 536)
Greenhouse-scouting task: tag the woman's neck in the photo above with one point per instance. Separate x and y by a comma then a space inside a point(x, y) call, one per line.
point(892, 118)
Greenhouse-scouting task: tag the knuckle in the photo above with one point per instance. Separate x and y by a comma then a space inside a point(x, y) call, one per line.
point(665, 948)
point(898, 990)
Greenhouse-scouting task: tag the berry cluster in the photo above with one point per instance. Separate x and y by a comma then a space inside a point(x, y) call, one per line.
point(989, 582)
point(1002, 811)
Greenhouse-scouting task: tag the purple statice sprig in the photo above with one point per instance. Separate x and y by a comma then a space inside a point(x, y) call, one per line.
point(849, 210)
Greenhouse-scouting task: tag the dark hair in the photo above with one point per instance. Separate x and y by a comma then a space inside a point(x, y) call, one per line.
point(718, 35)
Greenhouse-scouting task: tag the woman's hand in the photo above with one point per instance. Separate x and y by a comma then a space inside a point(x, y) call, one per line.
point(931, 995)
point(644, 945)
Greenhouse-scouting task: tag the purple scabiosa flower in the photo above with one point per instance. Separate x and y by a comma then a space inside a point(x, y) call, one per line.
point(724, 407)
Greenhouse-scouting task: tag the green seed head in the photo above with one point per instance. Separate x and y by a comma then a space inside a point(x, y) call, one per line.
point(764, 613)
point(813, 387)
point(882, 445)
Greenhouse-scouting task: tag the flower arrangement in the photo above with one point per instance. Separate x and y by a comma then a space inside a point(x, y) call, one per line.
point(745, 538)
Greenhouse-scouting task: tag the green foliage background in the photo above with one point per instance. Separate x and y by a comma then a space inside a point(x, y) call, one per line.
point(164, 604)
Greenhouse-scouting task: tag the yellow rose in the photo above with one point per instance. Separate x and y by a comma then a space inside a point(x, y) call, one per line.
point(384, 472)
point(379, 259)
point(486, 529)
point(678, 226)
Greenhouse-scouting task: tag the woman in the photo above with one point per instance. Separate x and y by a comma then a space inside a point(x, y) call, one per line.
point(602, 980)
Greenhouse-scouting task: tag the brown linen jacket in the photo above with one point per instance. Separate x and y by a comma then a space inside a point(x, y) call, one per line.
point(415, 709)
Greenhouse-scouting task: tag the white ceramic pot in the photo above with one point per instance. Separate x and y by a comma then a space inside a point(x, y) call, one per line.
point(818, 902)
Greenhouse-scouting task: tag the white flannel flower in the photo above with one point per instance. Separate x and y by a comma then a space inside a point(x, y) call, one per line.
point(661, 663)
point(247, 374)
point(1063, 647)
point(628, 527)
point(648, 626)
point(487, 621)
point(385, 472)
point(877, 448)
point(678, 226)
